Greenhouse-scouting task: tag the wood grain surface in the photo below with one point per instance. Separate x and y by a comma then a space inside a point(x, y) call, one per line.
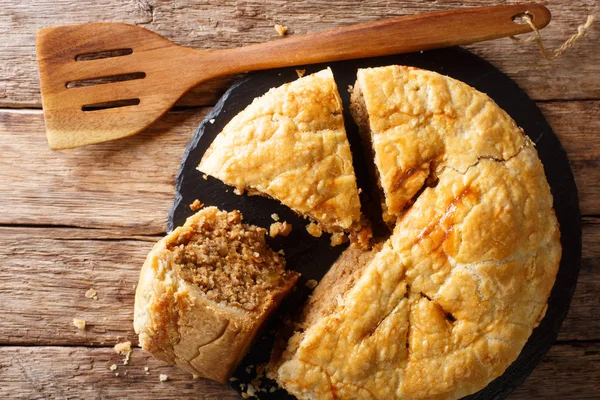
point(85, 218)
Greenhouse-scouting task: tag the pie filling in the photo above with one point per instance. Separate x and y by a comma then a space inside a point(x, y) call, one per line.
point(229, 261)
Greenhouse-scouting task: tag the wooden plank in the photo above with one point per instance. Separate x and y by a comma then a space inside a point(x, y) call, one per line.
point(585, 306)
point(577, 125)
point(127, 184)
point(46, 272)
point(216, 24)
point(84, 373)
point(567, 372)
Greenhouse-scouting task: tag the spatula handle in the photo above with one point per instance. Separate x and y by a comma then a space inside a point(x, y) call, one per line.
point(390, 36)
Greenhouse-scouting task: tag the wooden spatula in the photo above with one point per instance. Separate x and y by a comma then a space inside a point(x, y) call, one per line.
point(149, 74)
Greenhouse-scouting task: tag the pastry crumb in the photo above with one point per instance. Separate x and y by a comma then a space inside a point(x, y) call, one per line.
point(91, 294)
point(113, 367)
point(195, 377)
point(281, 29)
point(251, 390)
point(300, 72)
point(281, 252)
point(116, 374)
point(163, 377)
point(272, 389)
point(237, 191)
point(314, 229)
point(79, 323)
point(212, 120)
point(311, 283)
point(275, 217)
point(205, 177)
point(124, 349)
point(350, 88)
point(337, 239)
point(280, 228)
point(196, 205)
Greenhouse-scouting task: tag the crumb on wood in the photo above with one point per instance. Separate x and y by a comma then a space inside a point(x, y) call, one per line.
point(79, 323)
point(133, 286)
point(116, 374)
point(163, 377)
point(280, 228)
point(314, 229)
point(146, 369)
point(113, 367)
point(195, 377)
point(124, 349)
point(196, 205)
point(275, 217)
point(281, 29)
point(91, 294)
point(311, 283)
point(300, 72)
point(337, 239)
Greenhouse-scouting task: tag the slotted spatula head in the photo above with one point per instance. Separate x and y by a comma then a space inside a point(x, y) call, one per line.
point(104, 81)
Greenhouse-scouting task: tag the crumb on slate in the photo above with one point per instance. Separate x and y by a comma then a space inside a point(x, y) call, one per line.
point(205, 177)
point(337, 239)
point(212, 120)
point(314, 229)
point(311, 283)
point(275, 217)
point(281, 29)
point(300, 72)
point(196, 205)
point(280, 228)
point(79, 323)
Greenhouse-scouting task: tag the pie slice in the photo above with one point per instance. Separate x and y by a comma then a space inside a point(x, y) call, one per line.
point(417, 122)
point(451, 298)
point(205, 290)
point(290, 144)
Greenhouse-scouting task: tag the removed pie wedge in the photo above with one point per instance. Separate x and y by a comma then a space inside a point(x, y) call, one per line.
point(205, 291)
point(290, 144)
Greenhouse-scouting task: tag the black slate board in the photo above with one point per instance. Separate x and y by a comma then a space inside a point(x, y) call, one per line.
point(312, 257)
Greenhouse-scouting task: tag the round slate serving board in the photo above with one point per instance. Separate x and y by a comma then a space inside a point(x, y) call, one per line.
point(312, 257)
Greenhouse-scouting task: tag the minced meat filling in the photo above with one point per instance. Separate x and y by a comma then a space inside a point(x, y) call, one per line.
point(229, 261)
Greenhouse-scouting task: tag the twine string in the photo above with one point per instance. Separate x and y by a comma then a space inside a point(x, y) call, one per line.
point(553, 54)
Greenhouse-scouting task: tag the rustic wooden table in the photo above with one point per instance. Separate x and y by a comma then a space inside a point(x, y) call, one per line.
point(85, 218)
